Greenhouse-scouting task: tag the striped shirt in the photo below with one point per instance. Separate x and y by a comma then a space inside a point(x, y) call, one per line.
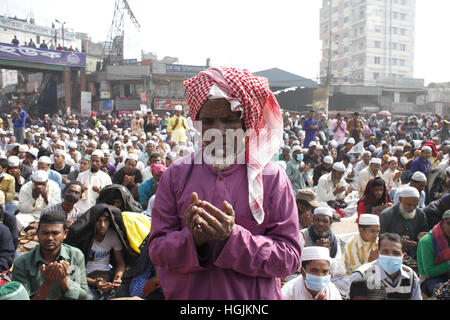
point(357, 253)
point(74, 214)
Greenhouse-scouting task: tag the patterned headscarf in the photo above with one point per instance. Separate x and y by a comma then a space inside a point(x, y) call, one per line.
point(250, 94)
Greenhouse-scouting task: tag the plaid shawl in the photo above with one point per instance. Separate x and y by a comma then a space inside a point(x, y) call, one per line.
point(262, 118)
point(440, 244)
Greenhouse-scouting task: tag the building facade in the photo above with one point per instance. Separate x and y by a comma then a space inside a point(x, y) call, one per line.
point(370, 42)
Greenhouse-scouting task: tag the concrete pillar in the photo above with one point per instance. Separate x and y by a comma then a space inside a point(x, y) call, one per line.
point(68, 88)
point(83, 80)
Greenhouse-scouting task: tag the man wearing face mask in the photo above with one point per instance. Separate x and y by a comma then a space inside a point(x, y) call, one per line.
point(399, 280)
point(296, 170)
point(406, 220)
point(71, 194)
point(314, 282)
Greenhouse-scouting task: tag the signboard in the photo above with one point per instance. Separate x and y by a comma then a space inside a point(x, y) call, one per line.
point(61, 58)
point(107, 106)
point(36, 29)
point(91, 86)
point(105, 95)
point(9, 78)
point(33, 85)
point(144, 97)
point(121, 112)
point(86, 103)
point(169, 104)
point(180, 68)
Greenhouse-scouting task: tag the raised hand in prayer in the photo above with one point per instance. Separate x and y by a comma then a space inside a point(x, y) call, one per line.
point(323, 242)
point(96, 189)
point(408, 243)
point(219, 224)
point(53, 272)
point(193, 220)
point(338, 190)
point(373, 254)
point(103, 285)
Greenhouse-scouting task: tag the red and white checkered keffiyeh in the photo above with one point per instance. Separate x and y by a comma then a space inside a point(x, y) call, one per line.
point(262, 118)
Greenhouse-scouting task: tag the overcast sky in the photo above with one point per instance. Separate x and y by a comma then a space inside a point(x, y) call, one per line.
point(251, 34)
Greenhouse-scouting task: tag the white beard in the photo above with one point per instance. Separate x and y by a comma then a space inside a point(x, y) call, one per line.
point(407, 215)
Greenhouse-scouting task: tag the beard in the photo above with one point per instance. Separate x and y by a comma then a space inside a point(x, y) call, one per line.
point(221, 161)
point(94, 170)
point(407, 215)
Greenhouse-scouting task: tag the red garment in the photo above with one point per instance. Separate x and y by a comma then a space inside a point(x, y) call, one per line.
point(432, 145)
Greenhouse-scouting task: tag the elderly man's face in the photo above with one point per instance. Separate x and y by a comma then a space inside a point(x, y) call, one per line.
point(216, 114)
point(426, 154)
point(375, 167)
point(409, 204)
point(419, 185)
point(322, 224)
point(337, 175)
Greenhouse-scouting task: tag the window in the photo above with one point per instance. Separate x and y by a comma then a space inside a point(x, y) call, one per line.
point(361, 29)
point(394, 61)
point(346, 34)
point(378, 29)
point(377, 60)
point(345, 49)
point(346, 4)
point(403, 16)
point(404, 2)
point(394, 30)
point(376, 76)
point(378, 44)
point(402, 47)
point(335, 24)
point(335, 66)
point(335, 9)
point(345, 64)
point(346, 19)
point(394, 15)
point(402, 62)
point(403, 32)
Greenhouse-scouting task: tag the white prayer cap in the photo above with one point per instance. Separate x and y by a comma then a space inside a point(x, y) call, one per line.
point(367, 152)
point(372, 148)
point(375, 161)
point(40, 176)
point(2, 132)
point(73, 145)
point(117, 143)
point(392, 159)
point(13, 161)
point(34, 152)
point(403, 160)
point(324, 210)
point(178, 108)
point(296, 148)
point(132, 156)
point(419, 177)
point(315, 253)
point(426, 148)
point(333, 144)
point(23, 148)
point(61, 143)
point(401, 142)
point(106, 151)
point(44, 159)
point(172, 156)
point(98, 153)
point(339, 166)
point(328, 160)
point(320, 147)
point(369, 220)
point(409, 192)
point(351, 140)
point(61, 152)
point(312, 144)
point(296, 143)
point(104, 146)
point(134, 138)
point(94, 143)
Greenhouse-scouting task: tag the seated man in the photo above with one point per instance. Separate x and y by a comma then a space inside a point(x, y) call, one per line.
point(148, 188)
point(361, 290)
point(418, 181)
point(436, 209)
point(100, 278)
point(406, 220)
point(433, 256)
point(296, 170)
point(322, 169)
point(129, 176)
point(332, 186)
point(7, 189)
point(44, 164)
point(35, 196)
point(306, 204)
point(7, 248)
point(319, 234)
point(71, 195)
point(53, 270)
point(399, 280)
point(314, 282)
point(369, 173)
point(363, 247)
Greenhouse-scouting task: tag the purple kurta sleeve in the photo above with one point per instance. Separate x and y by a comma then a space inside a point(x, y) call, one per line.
point(276, 253)
point(171, 244)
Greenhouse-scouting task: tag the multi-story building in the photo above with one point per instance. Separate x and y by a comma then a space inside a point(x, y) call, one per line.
point(370, 42)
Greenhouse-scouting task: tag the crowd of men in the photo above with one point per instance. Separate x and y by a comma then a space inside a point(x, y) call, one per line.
point(256, 226)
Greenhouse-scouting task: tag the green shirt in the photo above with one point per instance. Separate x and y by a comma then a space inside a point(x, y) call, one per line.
point(27, 271)
point(426, 259)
